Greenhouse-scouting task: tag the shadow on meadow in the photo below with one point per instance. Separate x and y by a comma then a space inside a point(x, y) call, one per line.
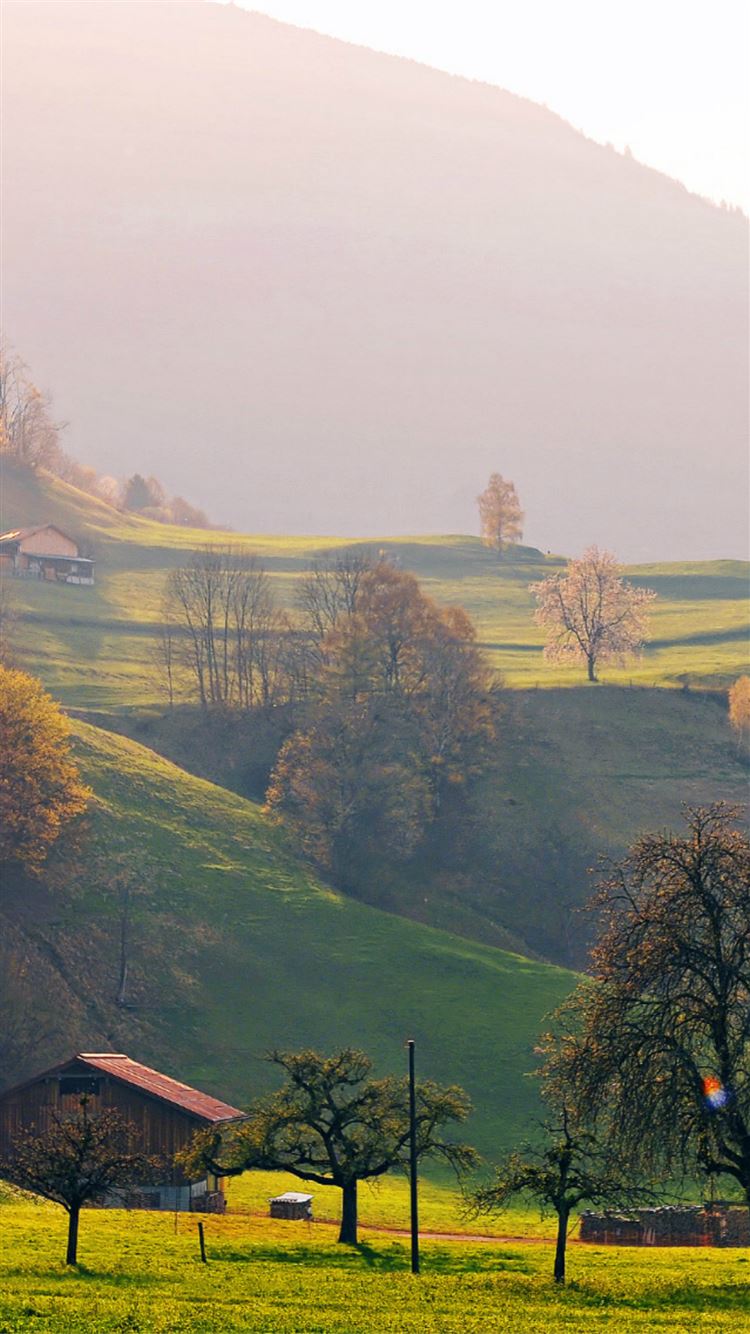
point(671, 1297)
point(389, 1258)
point(71, 1277)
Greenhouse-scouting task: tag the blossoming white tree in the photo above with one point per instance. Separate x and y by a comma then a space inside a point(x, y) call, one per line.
point(591, 612)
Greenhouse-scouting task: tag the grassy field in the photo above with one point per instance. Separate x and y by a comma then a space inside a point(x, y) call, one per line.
point(384, 1205)
point(92, 646)
point(141, 1272)
point(579, 775)
point(236, 948)
point(580, 771)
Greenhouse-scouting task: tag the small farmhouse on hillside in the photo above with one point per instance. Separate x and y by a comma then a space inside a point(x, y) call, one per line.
point(44, 552)
point(165, 1112)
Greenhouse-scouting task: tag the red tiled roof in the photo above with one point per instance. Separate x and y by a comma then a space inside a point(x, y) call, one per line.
point(200, 1105)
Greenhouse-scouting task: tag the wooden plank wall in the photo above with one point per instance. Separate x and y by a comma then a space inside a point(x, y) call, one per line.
point(159, 1129)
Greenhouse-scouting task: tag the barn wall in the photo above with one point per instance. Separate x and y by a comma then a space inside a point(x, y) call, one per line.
point(160, 1129)
point(48, 542)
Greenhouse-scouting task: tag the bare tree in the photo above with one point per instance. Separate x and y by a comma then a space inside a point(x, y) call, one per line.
point(165, 655)
point(561, 1169)
point(591, 612)
point(330, 588)
point(222, 626)
point(27, 433)
point(29, 1006)
point(500, 514)
point(79, 1159)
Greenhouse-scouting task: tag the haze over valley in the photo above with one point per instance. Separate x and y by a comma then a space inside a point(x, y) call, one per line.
point(319, 289)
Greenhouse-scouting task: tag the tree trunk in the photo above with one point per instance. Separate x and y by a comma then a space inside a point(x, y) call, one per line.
point(348, 1232)
point(562, 1239)
point(591, 664)
point(72, 1256)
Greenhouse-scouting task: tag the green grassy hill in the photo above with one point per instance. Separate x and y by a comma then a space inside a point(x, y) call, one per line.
point(580, 774)
point(580, 771)
point(236, 948)
point(91, 646)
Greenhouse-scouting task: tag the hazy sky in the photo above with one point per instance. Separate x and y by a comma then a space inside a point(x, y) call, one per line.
point(667, 77)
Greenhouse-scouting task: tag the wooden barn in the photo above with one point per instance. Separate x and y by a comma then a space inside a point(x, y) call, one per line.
point(44, 552)
point(165, 1112)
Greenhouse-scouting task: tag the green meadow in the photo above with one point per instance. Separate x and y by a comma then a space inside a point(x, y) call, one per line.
point(237, 947)
point(92, 647)
point(142, 1272)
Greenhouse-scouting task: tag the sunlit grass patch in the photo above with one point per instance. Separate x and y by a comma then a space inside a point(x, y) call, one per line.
point(142, 1272)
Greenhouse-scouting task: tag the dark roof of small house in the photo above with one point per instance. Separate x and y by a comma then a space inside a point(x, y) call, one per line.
point(151, 1082)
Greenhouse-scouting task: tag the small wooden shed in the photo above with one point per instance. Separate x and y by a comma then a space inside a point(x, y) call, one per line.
point(165, 1112)
point(292, 1204)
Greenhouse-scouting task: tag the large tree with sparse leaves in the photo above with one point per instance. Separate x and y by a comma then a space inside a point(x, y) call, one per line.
point(590, 613)
point(656, 1044)
point(334, 1125)
point(80, 1158)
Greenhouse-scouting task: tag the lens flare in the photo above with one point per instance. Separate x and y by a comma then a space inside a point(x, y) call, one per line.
point(714, 1092)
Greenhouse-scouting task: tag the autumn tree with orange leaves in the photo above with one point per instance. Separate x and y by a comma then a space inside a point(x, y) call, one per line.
point(41, 793)
point(402, 713)
point(500, 514)
point(739, 713)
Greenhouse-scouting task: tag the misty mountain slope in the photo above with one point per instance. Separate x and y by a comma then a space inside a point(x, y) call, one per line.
point(322, 289)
